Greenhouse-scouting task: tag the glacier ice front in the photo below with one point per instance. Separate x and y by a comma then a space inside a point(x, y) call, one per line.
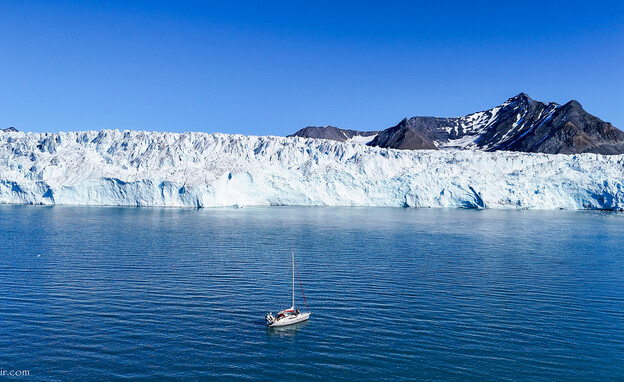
point(134, 168)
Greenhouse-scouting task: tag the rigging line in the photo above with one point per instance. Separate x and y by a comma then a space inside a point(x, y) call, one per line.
point(300, 284)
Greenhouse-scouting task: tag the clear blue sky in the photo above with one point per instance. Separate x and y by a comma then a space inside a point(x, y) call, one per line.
point(274, 67)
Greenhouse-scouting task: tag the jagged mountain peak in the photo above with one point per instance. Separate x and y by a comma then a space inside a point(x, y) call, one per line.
point(573, 105)
point(519, 124)
point(522, 124)
point(522, 96)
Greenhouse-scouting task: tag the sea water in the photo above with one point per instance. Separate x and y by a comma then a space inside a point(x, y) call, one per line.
point(396, 294)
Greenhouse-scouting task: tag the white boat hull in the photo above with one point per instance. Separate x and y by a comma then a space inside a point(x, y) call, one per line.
point(290, 320)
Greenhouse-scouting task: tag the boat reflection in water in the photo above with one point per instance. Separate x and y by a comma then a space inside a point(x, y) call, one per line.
point(286, 331)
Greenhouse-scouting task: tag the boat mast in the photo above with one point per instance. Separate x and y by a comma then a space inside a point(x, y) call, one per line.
point(293, 278)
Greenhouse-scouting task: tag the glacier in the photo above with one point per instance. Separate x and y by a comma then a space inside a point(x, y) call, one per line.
point(138, 168)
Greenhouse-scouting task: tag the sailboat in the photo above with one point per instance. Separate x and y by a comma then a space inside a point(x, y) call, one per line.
point(289, 316)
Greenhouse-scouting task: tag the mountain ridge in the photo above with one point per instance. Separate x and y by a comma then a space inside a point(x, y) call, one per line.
point(519, 124)
point(330, 132)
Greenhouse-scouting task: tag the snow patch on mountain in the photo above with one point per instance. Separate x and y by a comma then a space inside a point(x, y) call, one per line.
point(361, 139)
point(135, 168)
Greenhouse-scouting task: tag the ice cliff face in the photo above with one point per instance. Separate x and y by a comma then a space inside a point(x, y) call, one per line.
point(201, 170)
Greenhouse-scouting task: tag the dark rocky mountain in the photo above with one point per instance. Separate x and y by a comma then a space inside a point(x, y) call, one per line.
point(404, 137)
point(330, 132)
point(519, 124)
point(565, 129)
point(9, 129)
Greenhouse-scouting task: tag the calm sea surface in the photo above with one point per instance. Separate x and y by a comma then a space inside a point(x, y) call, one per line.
point(395, 294)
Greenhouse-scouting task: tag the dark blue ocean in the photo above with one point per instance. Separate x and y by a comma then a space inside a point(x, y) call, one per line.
point(396, 294)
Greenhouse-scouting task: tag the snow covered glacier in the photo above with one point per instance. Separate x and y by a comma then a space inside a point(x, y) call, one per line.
point(134, 168)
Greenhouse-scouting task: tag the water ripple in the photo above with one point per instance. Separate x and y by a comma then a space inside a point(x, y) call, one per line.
point(396, 294)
